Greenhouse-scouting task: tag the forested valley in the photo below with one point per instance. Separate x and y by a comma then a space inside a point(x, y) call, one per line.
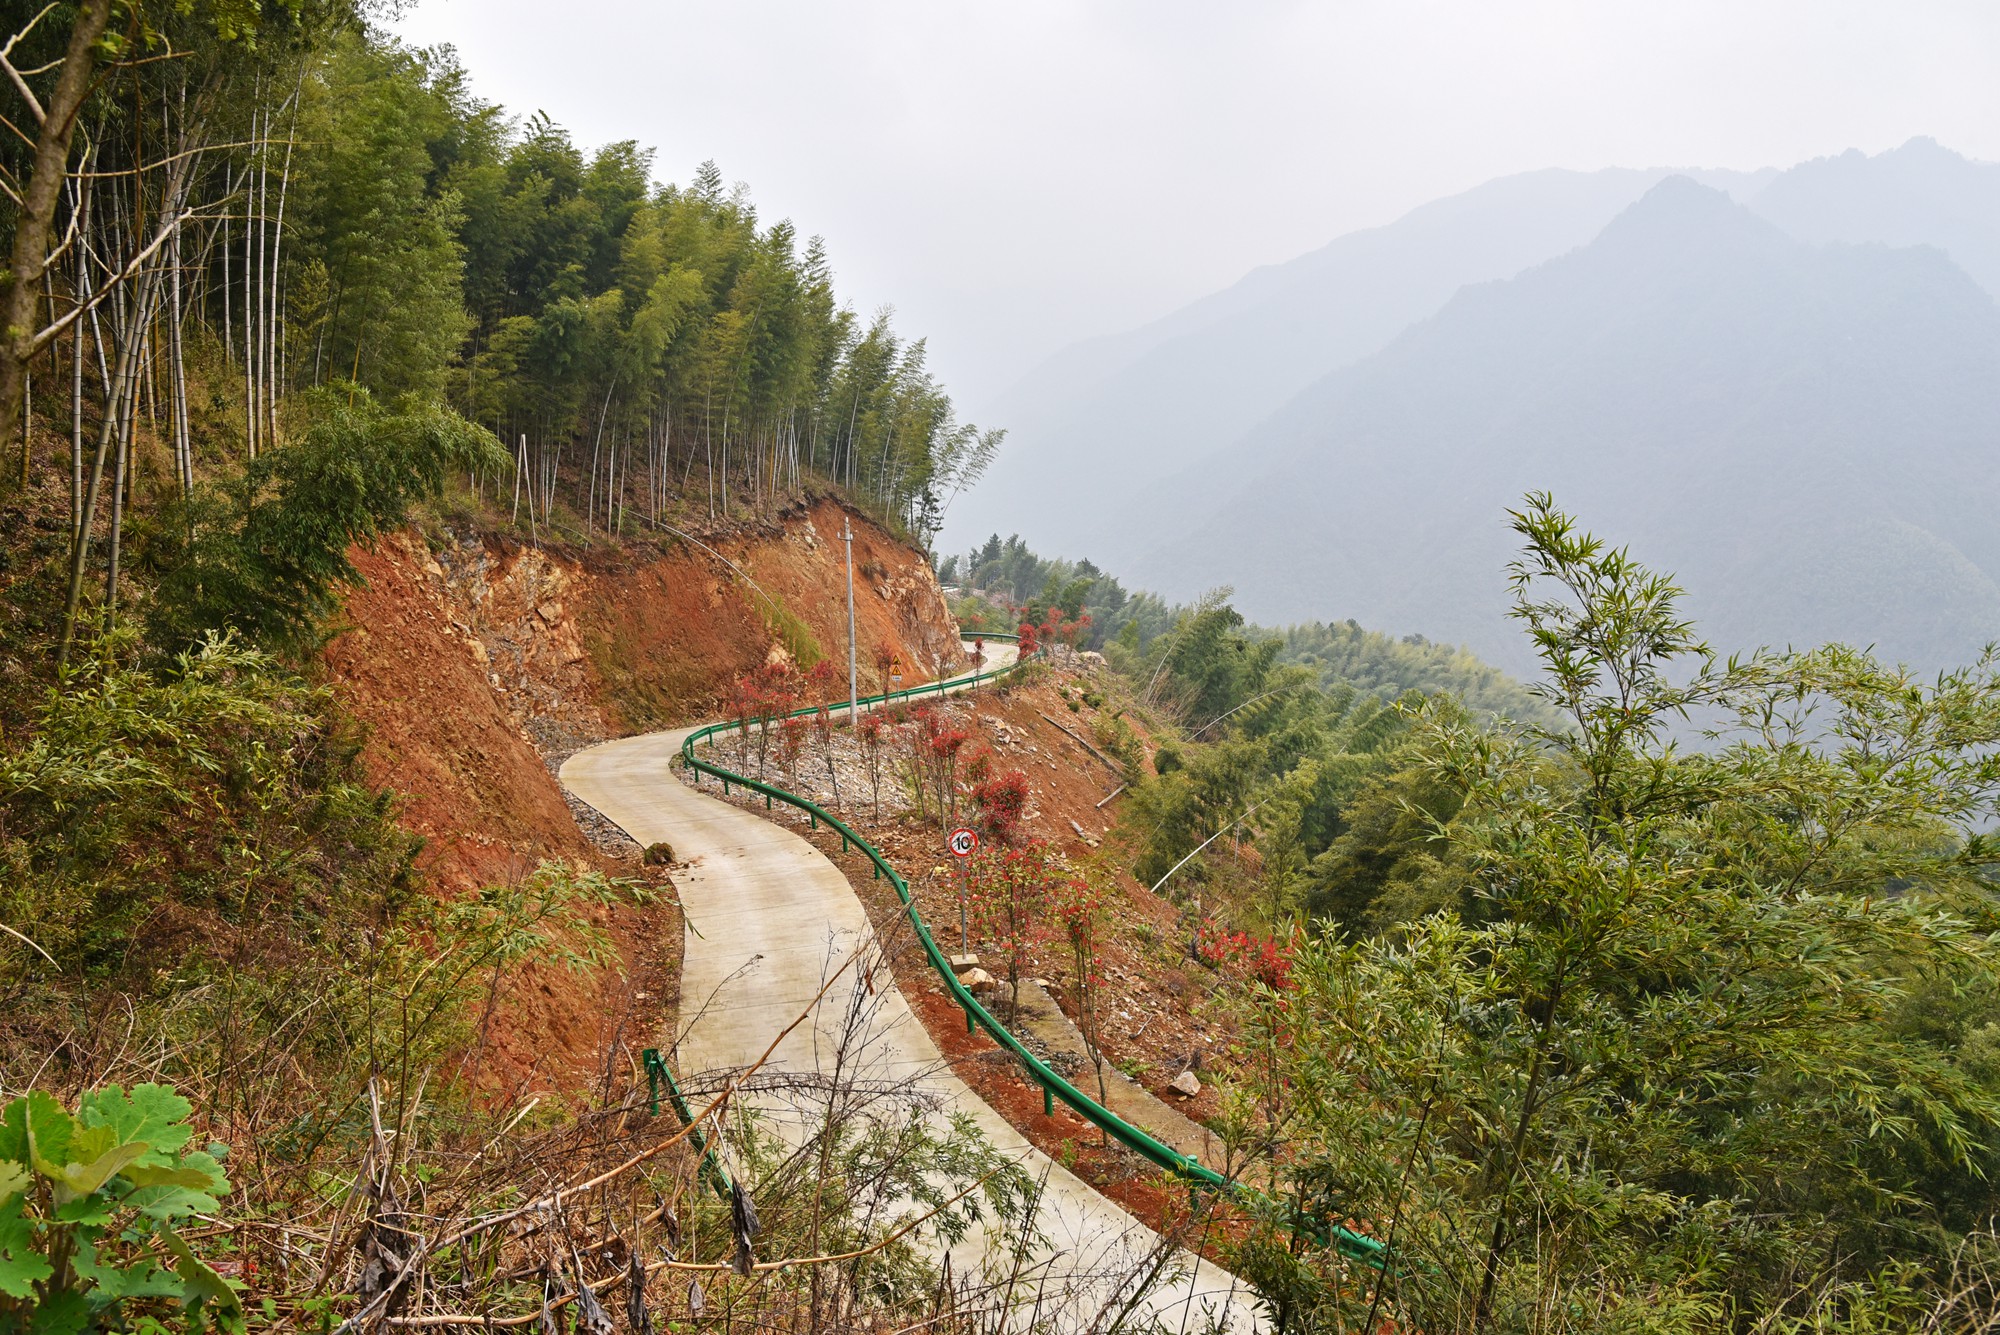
point(1656, 991)
point(1668, 1003)
point(1002, 583)
point(1577, 941)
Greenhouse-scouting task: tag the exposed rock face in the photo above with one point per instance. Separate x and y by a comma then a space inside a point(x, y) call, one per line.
point(979, 982)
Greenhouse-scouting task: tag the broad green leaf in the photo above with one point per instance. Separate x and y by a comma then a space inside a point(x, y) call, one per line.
point(22, 1266)
point(88, 1212)
point(113, 1282)
point(171, 1200)
point(66, 1312)
point(201, 1280)
point(13, 1177)
point(49, 1128)
point(152, 1175)
point(14, 1132)
point(151, 1113)
point(84, 1179)
point(86, 1145)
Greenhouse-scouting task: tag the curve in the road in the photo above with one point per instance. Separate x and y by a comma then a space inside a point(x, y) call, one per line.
point(768, 918)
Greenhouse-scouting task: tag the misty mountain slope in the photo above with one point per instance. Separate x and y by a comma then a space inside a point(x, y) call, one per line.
point(1804, 434)
point(1123, 407)
point(1919, 194)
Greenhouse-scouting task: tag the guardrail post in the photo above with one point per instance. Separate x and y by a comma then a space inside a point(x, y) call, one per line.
point(650, 1059)
point(968, 1019)
point(1048, 1102)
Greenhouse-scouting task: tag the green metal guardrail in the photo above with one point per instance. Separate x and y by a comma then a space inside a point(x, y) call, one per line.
point(659, 1073)
point(1356, 1246)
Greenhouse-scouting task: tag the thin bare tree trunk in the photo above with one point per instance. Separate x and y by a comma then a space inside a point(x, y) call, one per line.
point(76, 411)
point(249, 301)
point(277, 247)
point(183, 448)
point(263, 277)
point(79, 549)
point(520, 468)
point(120, 483)
point(29, 258)
point(228, 328)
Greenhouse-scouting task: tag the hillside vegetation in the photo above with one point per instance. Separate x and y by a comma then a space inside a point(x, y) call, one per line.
point(377, 450)
point(1607, 1033)
point(1006, 584)
point(286, 305)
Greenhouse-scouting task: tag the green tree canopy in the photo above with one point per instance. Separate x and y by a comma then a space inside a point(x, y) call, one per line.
point(1708, 1047)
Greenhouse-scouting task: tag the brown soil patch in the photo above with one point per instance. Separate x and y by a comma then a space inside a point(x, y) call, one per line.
point(475, 787)
point(669, 631)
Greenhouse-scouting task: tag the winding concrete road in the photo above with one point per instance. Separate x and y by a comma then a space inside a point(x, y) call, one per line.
point(768, 919)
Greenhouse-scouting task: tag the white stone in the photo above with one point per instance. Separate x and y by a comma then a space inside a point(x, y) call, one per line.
point(1187, 1084)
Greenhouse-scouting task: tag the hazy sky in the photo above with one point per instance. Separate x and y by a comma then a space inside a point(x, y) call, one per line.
point(1013, 176)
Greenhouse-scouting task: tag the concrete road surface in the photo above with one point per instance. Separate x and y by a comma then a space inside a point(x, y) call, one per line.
point(768, 919)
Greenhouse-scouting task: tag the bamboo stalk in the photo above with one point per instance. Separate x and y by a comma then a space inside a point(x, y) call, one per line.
point(272, 370)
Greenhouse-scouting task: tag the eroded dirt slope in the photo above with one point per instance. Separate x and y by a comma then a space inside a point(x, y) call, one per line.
point(477, 663)
point(667, 635)
point(412, 668)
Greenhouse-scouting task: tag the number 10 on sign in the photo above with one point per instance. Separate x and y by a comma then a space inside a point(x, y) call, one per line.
point(961, 842)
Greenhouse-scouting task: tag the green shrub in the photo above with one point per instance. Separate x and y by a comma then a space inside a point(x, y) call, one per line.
point(221, 784)
point(264, 553)
point(88, 1207)
point(790, 630)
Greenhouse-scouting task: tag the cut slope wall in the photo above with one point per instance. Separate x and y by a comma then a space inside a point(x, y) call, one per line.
point(477, 663)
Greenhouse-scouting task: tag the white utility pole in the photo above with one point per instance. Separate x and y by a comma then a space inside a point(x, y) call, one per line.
point(853, 693)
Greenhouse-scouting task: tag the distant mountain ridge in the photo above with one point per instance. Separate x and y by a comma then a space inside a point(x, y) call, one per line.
point(1135, 449)
point(1156, 398)
point(1921, 194)
point(1805, 433)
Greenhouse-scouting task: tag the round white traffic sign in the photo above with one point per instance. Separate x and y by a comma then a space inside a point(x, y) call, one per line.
point(961, 842)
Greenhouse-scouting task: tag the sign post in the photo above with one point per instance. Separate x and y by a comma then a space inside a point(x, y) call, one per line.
point(853, 671)
point(962, 842)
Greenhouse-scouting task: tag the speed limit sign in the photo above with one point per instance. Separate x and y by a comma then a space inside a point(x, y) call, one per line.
point(962, 842)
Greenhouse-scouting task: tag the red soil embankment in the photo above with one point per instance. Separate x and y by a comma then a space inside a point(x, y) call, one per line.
point(438, 732)
point(669, 635)
point(477, 663)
